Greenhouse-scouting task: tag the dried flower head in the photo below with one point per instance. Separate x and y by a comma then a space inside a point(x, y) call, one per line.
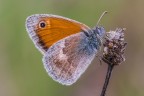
point(114, 47)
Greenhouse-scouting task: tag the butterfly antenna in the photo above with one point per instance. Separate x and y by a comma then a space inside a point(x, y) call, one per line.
point(101, 17)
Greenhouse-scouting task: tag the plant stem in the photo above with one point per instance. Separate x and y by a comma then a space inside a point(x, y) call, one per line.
point(108, 75)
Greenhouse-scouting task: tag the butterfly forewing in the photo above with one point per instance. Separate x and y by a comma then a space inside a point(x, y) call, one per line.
point(55, 29)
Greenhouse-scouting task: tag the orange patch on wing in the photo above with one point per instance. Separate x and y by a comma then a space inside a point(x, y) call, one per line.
point(57, 29)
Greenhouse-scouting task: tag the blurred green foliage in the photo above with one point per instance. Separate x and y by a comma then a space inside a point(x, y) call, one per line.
point(21, 68)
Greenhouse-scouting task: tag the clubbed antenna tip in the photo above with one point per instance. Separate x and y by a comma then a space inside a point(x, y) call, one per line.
point(105, 12)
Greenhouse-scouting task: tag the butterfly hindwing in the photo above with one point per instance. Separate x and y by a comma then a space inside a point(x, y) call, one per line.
point(68, 58)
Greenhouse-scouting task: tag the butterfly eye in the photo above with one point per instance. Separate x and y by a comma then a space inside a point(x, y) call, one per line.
point(42, 24)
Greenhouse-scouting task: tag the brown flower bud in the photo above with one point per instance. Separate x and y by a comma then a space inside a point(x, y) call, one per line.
point(114, 47)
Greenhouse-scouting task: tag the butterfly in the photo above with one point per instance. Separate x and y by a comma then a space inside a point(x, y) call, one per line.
point(68, 46)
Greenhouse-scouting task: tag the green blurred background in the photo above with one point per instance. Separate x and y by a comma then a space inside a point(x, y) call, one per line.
point(21, 68)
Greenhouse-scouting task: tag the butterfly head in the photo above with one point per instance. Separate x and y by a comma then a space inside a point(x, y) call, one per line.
point(98, 34)
point(100, 31)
